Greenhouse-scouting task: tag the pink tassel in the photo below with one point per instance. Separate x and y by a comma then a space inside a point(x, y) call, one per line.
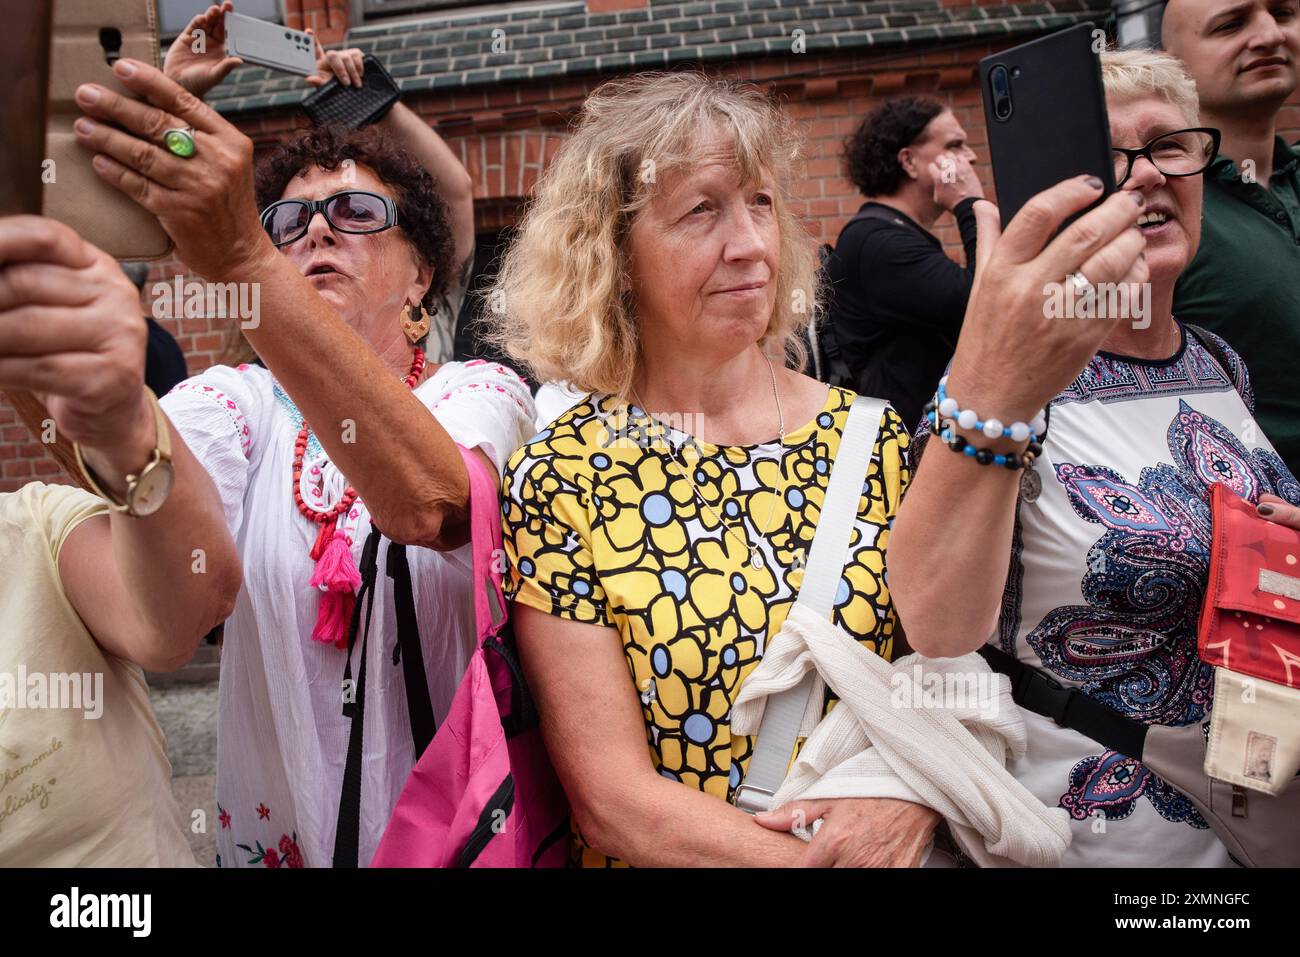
point(337, 576)
point(333, 618)
point(336, 570)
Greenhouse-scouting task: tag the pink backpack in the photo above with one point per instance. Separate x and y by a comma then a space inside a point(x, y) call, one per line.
point(483, 793)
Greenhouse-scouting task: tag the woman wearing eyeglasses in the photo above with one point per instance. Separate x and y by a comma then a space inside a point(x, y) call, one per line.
point(334, 432)
point(1082, 550)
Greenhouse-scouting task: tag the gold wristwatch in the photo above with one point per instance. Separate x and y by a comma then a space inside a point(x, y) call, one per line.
point(147, 490)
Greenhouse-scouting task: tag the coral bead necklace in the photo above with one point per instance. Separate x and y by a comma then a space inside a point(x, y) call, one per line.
point(336, 573)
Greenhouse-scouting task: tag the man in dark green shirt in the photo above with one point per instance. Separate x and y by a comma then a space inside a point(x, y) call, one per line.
point(1245, 280)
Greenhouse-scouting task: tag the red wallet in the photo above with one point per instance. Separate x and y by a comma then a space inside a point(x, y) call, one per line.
point(1250, 622)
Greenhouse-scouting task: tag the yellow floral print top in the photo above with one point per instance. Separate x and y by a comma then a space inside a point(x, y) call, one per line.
point(602, 527)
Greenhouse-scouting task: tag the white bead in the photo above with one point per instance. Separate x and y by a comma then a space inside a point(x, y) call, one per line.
point(1019, 431)
point(993, 428)
point(943, 383)
point(1039, 425)
point(967, 419)
point(948, 407)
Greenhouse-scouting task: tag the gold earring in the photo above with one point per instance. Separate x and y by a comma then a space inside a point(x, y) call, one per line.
point(415, 329)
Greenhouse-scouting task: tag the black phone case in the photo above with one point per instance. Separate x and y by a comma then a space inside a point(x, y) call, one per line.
point(350, 106)
point(1058, 127)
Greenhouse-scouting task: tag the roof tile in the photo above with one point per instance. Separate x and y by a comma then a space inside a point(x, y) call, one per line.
point(446, 51)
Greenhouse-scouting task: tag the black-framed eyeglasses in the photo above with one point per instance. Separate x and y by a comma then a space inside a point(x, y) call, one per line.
point(1180, 153)
point(351, 211)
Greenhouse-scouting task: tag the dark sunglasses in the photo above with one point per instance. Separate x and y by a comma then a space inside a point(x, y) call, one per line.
point(351, 211)
point(1180, 153)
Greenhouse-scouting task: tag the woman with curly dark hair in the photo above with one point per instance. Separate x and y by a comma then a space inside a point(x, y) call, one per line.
point(355, 241)
point(897, 299)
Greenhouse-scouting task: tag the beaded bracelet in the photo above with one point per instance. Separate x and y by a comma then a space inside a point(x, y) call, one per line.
point(947, 407)
point(1009, 461)
point(959, 443)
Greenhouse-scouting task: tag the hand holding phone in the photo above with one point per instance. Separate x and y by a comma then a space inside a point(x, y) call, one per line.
point(1045, 111)
point(346, 66)
point(1049, 137)
point(344, 101)
point(198, 59)
point(1013, 356)
point(205, 200)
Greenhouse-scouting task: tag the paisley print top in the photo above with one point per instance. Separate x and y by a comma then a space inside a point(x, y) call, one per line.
point(601, 526)
point(1108, 568)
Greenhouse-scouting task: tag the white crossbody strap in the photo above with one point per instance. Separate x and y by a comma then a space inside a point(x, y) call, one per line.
point(783, 713)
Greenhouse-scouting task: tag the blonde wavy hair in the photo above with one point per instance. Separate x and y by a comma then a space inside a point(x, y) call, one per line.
point(558, 304)
point(1135, 74)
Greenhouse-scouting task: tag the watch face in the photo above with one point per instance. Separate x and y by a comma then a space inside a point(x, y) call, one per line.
point(151, 489)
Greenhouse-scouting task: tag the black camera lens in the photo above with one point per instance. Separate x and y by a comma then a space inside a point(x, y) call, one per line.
point(1001, 90)
point(110, 38)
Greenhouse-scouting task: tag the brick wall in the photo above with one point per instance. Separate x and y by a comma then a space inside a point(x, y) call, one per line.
point(328, 18)
point(506, 134)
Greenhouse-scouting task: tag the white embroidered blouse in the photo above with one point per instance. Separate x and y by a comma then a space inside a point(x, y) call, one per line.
point(282, 737)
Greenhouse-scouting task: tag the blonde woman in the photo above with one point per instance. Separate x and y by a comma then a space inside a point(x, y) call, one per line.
point(656, 530)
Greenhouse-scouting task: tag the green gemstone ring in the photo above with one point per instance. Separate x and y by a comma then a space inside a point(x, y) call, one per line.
point(180, 141)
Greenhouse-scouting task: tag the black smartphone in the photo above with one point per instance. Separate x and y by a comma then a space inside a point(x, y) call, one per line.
point(1045, 110)
point(353, 106)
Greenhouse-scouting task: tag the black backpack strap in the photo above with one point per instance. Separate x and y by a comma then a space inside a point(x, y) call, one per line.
point(418, 706)
point(828, 364)
point(881, 212)
point(347, 834)
point(1037, 691)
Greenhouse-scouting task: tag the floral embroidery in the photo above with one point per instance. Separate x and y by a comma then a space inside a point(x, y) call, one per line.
point(227, 405)
point(498, 369)
point(224, 816)
point(263, 812)
point(288, 855)
point(291, 854)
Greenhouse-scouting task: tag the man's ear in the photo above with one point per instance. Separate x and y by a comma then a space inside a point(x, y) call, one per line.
point(907, 162)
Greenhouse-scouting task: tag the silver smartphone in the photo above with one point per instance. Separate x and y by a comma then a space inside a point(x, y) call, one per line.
point(270, 45)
